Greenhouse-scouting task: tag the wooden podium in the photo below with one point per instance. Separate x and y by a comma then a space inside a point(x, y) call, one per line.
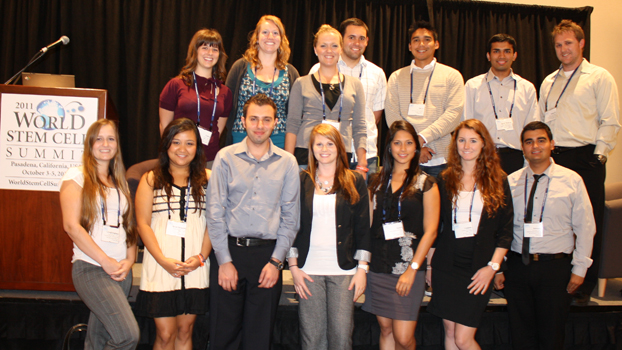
point(36, 252)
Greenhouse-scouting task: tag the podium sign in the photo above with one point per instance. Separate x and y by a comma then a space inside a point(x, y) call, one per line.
point(42, 137)
point(42, 132)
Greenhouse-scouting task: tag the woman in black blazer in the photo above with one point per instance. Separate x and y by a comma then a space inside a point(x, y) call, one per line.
point(476, 221)
point(333, 236)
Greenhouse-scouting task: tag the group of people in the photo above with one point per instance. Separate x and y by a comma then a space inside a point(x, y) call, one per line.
point(461, 205)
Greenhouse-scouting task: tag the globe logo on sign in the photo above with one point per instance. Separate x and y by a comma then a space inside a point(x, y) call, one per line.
point(49, 109)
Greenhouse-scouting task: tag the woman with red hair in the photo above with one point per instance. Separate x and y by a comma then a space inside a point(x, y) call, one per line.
point(476, 221)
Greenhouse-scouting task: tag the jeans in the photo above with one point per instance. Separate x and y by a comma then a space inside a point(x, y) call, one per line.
point(111, 323)
point(327, 316)
point(433, 170)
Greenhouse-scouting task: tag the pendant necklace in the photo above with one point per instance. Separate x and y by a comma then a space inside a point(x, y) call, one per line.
point(322, 185)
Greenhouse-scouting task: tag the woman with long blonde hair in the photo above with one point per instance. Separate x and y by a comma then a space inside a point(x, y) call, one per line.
point(99, 219)
point(476, 217)
point(263, 68)
point(329, 258)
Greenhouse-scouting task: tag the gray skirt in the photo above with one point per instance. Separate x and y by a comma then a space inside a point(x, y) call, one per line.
point(381, 299)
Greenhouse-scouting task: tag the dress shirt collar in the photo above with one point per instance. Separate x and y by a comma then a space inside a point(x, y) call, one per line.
point(242, 148)
point(586, 67)
point(490, 76)
point(427, 67)
point(362, 62)
point(549, 172)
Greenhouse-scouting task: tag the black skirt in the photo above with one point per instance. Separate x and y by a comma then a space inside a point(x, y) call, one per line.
point(171, 304)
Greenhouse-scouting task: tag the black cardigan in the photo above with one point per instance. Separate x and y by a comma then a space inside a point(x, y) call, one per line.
point(491, 232)
point(352, 222)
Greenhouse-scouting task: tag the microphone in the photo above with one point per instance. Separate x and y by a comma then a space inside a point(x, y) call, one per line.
point(63, 39)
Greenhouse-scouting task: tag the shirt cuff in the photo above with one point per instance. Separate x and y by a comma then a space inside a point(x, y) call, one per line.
point(292, 253)
point(362, 255)
point(223, 257)
point(279, 253)
point(425, 139)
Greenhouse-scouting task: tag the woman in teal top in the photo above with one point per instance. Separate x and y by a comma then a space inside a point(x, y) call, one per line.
point(262, 69)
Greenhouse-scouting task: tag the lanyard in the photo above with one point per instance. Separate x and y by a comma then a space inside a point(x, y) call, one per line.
point(546, 102)
point(546, 193)
point(425, 97)
point(470, 208)
point(494, 108)
point(271, 84)
point(323, 97)
point(399, 202)
point(168, 209)
point(118, 209)
point(196, 88)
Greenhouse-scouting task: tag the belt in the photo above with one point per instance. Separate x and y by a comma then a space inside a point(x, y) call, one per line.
point(560, 149)
point(250, 242)
point(543, 257)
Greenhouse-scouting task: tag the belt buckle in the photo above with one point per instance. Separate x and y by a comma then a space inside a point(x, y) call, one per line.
point(536, 257)
point(241, 242)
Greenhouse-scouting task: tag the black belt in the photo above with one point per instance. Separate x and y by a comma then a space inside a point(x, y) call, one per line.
point(507, 150)
point(560, 149)
point(542, 257)
point(250, 242)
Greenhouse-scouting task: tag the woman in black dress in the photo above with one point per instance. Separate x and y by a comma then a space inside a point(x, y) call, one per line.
point(476, 219)
point(404, 198)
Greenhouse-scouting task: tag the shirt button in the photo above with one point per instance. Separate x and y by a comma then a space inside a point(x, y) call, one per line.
point(338, 243)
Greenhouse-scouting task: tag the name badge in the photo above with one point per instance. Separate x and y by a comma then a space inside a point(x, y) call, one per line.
point(177, 229)
point(534, 230)
point(505, 124)
point(550, 115)
point(416, 109)
point(206, 135)
point(393, 230)
point(464, 230)
point(111, 234)
point(331, 122)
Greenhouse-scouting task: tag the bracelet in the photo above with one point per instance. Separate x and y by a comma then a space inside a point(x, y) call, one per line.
point(362, 168)
point(201, 259)
point(429, 267)
point(293, 266)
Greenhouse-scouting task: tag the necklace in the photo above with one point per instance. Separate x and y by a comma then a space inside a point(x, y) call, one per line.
point(323, 185)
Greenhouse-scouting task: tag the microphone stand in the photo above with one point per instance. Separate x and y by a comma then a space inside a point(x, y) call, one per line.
point(36, 57)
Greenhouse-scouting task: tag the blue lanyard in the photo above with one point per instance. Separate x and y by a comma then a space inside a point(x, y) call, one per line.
point(196, 88)
point(323, 97)
point(425, 97)
point(399, 201)
point(271, 84)
point(494, 108)
point(470, 208)
point(546, 102)
point(546, 193)
point(168, 208)
point(118, 209)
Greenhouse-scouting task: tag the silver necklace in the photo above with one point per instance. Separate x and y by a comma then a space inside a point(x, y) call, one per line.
point(323, 186)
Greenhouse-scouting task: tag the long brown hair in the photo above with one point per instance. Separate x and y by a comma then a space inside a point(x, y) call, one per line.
point(413, 170)
point(94, 187)
point(488, 172)
point(209, 37)
point(344, 177)
point(283, 52)
point(162, 178)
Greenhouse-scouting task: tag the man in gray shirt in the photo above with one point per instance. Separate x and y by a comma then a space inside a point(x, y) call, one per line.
point(252, 217)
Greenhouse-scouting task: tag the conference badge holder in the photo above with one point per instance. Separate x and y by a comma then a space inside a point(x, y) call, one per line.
point(505, 124)
point(111, 234)
point(416, 109)
point(206, 135)
point(550, 115)
point(463, 230)
point(334, 123)
point(533, 230)
point(177, 229)
point(393, 230)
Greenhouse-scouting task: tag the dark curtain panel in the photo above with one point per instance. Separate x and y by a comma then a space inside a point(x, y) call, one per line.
point(132, 48)
point(466, 26)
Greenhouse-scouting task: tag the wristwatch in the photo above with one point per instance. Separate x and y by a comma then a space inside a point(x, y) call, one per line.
point(414, 266)
point(363, 267)
point(602, 159)
point(279, 265)
point(495, 266)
